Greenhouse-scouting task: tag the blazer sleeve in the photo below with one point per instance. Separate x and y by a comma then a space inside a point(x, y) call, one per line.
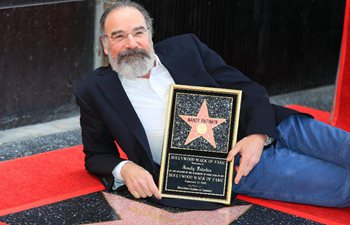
point(257, 115)
point(101, 154)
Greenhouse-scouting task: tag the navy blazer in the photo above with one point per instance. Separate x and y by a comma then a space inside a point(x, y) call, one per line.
point(107, 115)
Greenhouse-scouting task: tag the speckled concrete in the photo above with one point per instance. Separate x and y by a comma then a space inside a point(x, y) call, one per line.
point(93, 208)
point(258, 215)
point(34, 145)
point(318, 98)
point(90, 208)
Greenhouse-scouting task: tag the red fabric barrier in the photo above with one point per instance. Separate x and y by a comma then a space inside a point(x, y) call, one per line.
point(341, 109)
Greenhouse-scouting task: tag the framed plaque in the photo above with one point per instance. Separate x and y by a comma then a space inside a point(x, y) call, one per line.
point(201, 129)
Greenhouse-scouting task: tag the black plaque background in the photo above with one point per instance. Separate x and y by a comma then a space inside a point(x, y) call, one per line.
point(218, 191)
point(170, 150)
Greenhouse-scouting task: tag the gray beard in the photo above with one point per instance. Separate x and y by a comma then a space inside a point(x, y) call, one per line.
point(133, 63)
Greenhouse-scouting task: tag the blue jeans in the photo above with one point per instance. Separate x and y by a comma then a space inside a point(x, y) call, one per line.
point(310, 164)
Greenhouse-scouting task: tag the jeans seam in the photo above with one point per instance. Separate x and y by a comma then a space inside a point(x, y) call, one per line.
point(346, 186)
point(343, 146)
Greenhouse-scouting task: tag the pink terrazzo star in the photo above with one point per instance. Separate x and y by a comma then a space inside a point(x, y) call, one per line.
point(133, 212)
point(202, 125)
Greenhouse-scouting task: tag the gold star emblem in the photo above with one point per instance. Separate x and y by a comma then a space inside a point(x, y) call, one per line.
point(202, 125)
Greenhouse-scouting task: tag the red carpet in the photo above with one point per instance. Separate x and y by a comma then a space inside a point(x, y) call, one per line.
point(45, 178)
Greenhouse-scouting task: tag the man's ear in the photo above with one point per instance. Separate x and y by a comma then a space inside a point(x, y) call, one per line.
point(104, 45)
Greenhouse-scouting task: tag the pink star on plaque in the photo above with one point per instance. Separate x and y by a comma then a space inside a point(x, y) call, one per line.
point(202, 125)
point(133, 212)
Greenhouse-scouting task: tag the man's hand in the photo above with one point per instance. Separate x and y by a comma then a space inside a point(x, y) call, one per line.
point(250, 148)
point(139, 181)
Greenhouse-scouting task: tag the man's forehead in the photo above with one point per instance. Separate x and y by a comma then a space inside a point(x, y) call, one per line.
point(126, 18)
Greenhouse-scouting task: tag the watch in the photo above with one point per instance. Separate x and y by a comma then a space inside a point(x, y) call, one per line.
point(268, 140)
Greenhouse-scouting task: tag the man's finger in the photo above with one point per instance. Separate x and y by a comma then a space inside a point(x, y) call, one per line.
point(241, 169)
point(153, 188)
point(135, 194)
point(238, 176)
point(141, 192)
point(148, 193)
point(232, 153)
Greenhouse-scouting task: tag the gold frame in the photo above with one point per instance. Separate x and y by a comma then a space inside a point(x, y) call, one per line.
point(234, 120)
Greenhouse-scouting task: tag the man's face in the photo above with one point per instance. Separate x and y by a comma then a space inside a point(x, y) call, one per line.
point(128, 43)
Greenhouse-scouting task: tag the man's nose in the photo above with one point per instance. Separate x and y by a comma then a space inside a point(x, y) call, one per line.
point(131, 41)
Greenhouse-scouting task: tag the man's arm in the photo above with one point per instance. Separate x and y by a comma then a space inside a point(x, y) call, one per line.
point(101, 154)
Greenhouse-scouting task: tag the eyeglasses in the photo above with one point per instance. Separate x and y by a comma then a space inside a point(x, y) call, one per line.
point(137, 33)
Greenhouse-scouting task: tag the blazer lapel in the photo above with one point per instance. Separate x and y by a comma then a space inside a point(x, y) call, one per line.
point(112, 88)
point(179, 72)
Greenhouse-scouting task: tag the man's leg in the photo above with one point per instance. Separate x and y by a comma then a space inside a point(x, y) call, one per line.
point(293, 176)
point(314, 138)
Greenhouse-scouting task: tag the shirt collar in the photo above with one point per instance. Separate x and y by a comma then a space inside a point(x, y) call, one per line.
point(157, 61)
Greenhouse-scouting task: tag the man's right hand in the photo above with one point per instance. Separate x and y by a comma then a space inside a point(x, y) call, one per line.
point(139, 181)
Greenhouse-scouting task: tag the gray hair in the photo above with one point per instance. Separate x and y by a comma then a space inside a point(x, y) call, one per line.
point(125, 4)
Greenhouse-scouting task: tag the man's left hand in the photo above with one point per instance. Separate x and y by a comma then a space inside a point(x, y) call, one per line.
point(250, 148)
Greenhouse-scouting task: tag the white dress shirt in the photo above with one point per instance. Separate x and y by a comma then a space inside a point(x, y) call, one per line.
point(149, 99)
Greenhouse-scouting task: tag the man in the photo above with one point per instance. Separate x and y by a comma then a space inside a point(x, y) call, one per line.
point(124, 104)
